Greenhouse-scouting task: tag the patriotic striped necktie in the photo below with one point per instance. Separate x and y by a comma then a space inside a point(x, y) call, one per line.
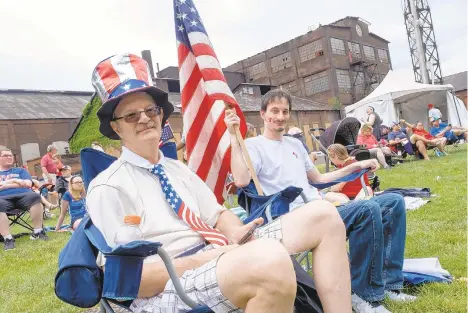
point(212, 235)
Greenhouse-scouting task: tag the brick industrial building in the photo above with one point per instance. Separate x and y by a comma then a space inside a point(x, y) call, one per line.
point(341, 60)
point(31, 120)
point(459, 83)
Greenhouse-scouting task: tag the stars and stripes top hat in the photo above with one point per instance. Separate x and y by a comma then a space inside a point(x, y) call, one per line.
point(121, 75)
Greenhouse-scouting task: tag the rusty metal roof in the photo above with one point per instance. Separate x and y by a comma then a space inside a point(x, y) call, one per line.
point(19, 104)
point(458, 81)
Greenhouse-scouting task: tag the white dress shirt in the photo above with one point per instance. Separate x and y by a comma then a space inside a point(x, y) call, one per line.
point(128, 188)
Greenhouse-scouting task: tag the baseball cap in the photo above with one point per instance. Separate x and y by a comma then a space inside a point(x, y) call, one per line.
point(66, 168)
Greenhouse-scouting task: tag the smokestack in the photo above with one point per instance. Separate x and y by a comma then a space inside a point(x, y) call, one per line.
point(146, 55)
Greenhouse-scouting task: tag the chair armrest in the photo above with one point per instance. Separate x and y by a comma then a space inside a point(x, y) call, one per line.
point(175, 279)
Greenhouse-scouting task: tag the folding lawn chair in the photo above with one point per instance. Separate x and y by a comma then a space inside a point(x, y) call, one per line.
point(122, 275)
point(273, 206)
point(19, 217)
point(455, 145)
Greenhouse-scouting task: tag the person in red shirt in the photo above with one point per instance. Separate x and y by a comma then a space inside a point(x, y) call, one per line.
point(422, 139)
point(350, 190)
point(377, 150)
point(49, 167)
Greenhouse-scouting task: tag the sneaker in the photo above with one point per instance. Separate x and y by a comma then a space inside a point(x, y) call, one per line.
point(9, 244)
point(361, 306)
point(42, 236)
point(398, 296)
point(48, 215)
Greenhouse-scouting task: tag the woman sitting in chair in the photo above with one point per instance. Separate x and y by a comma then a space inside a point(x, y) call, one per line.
point(74, 201)
point(376, 149)
point(343, 192)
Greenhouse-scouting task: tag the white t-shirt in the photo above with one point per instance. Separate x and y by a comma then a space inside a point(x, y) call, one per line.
point(435, 114)
point(280, 164)
point(128, 188)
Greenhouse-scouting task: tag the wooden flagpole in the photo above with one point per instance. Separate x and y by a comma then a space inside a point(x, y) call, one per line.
point(247, 159)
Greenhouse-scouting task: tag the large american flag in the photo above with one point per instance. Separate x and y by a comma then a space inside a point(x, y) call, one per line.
point(204, 91)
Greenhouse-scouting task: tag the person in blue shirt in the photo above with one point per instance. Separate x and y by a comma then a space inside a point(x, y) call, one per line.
point(452, 133)
point(397, 137)
point(16, 194)
point(73, 201)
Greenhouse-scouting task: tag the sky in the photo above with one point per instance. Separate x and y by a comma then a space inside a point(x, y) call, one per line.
point(55, 45)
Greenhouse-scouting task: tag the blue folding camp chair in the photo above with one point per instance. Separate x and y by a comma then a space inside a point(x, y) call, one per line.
point(125, 257)
point(273, 206)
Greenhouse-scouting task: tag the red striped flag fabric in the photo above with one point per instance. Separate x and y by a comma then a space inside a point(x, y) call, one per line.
point(204, 92)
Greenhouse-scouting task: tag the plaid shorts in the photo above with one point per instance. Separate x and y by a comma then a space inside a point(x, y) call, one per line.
point(200, 284)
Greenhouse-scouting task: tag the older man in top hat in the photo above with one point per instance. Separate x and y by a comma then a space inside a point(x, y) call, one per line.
point(179, 210)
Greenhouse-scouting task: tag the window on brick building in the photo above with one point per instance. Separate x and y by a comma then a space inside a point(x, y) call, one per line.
point(344, 82)
point(316, 83)
point(383, 55)
point(256, 71)
point(310, 51)
point(291, 87)
point(369, 52)
point(337, 46)
point(281, 62)
point(355, 49)
point(359, 82)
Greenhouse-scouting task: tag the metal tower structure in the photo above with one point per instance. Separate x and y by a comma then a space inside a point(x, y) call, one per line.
point(422, 42)
point(365, 76)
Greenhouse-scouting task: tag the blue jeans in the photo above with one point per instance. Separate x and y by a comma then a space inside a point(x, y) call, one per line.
point(376, 230)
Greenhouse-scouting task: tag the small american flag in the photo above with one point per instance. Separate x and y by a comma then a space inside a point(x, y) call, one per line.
point(204, 92)
point(166, 134)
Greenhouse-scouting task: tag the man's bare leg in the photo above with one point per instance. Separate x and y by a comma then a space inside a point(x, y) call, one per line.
point(37, 216)
point(380, 156)
point(258, 277)
point(386, 150)
point(4, 225)
point(318, 226)
point(441, 142)
point(415, 138)
point(422, 149)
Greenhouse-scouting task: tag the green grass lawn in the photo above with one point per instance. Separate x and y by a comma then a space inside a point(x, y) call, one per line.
point(438, 229)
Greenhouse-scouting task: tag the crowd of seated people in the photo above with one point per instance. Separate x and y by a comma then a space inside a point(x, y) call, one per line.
point(377, 149)
point(20, 192)
point(402, 138)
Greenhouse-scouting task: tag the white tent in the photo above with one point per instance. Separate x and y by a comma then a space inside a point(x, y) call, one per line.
point(400, 97)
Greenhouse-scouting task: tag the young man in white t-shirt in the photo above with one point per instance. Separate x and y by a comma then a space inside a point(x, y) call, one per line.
point(280, 162)
point(257, 276)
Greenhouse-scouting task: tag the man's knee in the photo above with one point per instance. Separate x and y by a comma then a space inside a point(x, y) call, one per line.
point(267, 266)
point(31, 199)
point(369, 209)
point(398, 203)
point(325, 213)
point(268, 255)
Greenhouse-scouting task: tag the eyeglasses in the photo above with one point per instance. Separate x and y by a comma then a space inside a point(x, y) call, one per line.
point(77, 182)
point(134, 117)
point(7, 156)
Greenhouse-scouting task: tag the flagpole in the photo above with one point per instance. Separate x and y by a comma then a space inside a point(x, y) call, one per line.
point(247, 159)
